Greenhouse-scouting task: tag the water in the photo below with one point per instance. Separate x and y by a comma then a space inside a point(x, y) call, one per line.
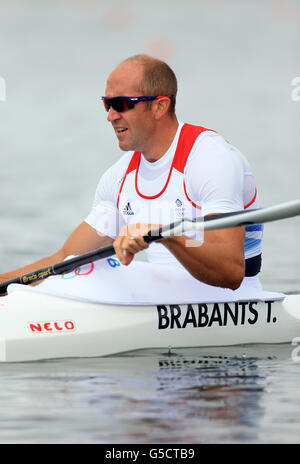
point(193, 396)
point(235, 62)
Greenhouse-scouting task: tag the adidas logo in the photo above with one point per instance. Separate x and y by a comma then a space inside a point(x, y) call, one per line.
point(127, 210)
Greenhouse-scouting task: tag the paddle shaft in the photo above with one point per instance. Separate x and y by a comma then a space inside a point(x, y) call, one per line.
point(218, 221)
point(101, 253)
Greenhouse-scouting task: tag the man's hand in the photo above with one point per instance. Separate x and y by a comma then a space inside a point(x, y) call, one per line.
point(130, 241)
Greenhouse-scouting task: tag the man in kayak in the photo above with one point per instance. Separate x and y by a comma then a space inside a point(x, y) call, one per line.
point(169, 170)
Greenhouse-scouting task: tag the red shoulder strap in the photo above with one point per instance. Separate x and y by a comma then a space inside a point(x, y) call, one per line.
point(187, 138)
point(186, 141)
point(134, 164)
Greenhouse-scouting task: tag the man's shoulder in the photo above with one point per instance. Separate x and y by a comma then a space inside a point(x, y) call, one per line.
point(213, 143)
point(111, 179)
point(119, 168)
point(212, 149)
point(122, 161)
point(201, 135)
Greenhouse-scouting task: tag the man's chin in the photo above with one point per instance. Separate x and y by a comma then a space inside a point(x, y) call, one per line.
point(125, 146)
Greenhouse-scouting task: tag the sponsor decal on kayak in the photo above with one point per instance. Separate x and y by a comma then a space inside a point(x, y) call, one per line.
point(216, 314)
point(113, 262)
point(87, 270)
point(52, 326)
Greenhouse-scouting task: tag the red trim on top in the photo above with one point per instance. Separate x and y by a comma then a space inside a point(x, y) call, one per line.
point(134, 164)
point(186, 147)
point(187, 138)
point(194, 204)
point(158, 194)
point(186, 141)
point(252, 201)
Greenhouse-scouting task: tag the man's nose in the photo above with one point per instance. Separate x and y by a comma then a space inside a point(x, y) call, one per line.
point(113, 115)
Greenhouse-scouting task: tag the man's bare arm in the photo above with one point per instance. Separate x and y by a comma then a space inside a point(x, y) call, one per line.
point(83, 239)
point(218, 260)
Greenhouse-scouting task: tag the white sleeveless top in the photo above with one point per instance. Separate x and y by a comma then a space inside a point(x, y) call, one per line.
point(200, 174)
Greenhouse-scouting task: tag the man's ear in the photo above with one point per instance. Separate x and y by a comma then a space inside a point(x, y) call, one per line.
point(161, 107)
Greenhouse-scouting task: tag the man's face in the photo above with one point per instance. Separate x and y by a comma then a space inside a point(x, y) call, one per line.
point(132, 127)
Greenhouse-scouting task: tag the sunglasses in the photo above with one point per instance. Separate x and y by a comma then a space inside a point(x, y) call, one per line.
point(121, 104)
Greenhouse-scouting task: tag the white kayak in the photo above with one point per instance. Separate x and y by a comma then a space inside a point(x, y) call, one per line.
point(36, 325)
point(104, 309)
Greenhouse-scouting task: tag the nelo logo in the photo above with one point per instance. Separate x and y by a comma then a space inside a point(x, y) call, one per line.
point(52, 326)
